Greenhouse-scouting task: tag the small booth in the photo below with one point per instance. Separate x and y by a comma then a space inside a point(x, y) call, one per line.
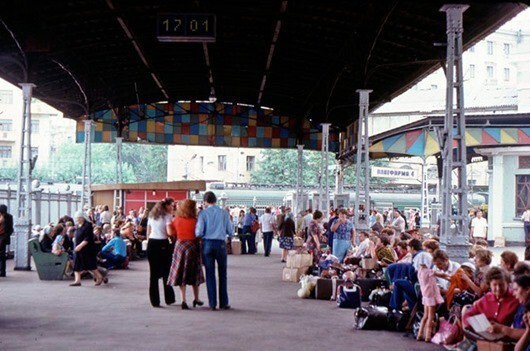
point(135, 195)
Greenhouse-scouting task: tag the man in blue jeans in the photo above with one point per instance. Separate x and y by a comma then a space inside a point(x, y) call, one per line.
point(213, 226)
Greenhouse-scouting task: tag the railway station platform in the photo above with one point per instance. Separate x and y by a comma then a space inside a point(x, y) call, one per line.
point(266, 315)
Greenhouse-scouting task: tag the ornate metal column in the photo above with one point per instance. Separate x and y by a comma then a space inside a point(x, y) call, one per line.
point(86, 196)
point(23, 203)
point(324, 179)
point(425, 220)
point(119, 171)
point(362, 191)
point(454, 222)
point(299, 200)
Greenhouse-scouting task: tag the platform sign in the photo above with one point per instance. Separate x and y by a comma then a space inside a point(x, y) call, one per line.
point(395, 173)
point(188, 28)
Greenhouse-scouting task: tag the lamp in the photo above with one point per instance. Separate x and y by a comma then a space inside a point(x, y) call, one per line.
point(212, 98)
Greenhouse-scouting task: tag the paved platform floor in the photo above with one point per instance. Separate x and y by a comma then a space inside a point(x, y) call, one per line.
point(266, 315)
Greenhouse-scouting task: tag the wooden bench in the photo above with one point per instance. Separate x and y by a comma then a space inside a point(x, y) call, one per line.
point(49, 266)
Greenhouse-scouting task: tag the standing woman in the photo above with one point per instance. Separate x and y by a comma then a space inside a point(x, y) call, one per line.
point(186, 268)
point(159, 250)
point(344, 235)
point(287, 233)
point(85, 251)
point(314, 233)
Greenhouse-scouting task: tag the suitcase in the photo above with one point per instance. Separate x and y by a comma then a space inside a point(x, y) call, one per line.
point(324, 288)
point(368, 285)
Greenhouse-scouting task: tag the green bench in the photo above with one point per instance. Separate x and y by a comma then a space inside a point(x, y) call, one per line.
point(49, 266)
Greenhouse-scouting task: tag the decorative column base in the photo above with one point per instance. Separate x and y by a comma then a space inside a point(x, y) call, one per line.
point(22, 234)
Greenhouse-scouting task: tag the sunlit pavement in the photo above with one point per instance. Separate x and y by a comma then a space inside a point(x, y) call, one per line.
point(266, 315)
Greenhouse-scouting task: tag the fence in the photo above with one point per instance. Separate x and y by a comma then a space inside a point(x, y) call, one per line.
point(46, 206)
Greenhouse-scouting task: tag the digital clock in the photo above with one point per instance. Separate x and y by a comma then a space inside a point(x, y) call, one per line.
point(191, 28)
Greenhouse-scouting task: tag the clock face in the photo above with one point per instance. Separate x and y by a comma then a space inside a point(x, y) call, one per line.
point(177, 27)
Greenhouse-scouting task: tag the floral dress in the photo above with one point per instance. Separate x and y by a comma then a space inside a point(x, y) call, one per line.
point(313, 246)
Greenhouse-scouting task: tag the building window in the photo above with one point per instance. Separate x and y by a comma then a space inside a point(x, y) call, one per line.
point(434, 87)
point(201, 160)
point(35, 127)
point(221, 159)
point(524, 162)
point(522, 191)
point(6, 97)
point(506, 49)
point(251, 161)
point(471, 71)
point(472, 49)
point(6, 125)
point(489, 70)
point(34, 151)
point(490, 47)
point(507, 74)
point(5, 151)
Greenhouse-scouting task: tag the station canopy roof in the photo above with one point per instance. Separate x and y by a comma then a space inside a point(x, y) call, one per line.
point(304, 58)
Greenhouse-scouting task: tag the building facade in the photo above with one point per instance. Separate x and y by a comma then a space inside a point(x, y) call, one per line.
point(220, 164)
point(48, 128)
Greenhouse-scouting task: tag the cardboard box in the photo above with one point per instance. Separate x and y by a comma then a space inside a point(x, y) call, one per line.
point(299, 260)
point(236, 247)
point(494, 346)
point(324, 288)
point(293, 274)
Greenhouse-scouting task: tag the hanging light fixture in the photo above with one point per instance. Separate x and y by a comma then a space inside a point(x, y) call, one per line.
point(212, 98)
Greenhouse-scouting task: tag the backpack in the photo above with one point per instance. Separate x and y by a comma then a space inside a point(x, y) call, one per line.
point(349, 296)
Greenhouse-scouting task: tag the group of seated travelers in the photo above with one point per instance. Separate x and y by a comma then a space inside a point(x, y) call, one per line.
point(423, 277)
point(117, 238)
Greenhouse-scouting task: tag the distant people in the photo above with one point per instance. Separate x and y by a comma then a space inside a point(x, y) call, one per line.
point(398, 222)
point(213, 226)
point(159, 250)
point(526, 223)
point(118, 216)
point(115, 251)
point(306, 220)
point(6, 229)
point(186, 266)
point(85, 251)
point(248, 240)
point(287, 232)
point(240, 219)
point(267, 224)
point(106, 216)
point(343, 235)
point(479, 227)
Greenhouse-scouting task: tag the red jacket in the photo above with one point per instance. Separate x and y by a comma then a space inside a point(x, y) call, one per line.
point(502, 311)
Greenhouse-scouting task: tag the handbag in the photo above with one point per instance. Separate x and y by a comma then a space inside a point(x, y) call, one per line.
point(254, 226)
point(349, 296)
point(449, 332)
point(370, 318)
point(380, 297)
point(464, 298)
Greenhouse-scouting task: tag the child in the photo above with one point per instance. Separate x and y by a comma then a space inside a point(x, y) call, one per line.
point(431, 298)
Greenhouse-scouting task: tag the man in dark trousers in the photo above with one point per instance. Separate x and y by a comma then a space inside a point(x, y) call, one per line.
point(6, 229)
point(213, 225)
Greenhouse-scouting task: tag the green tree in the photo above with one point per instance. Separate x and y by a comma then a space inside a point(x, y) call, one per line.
point(149, 162)
point(279, 166)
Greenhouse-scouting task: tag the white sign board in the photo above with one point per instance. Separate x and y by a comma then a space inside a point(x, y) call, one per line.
point(384, 172)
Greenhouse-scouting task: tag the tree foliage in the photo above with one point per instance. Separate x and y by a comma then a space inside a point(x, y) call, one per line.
point(279, 166)
point(140, 163)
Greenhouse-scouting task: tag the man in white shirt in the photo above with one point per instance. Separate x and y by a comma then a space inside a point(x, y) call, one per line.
point(479, 227)
point(305, 222)
point(443, 269)
point(267, 224)
point(364, 247)
point(526, 222)
point(398, 223)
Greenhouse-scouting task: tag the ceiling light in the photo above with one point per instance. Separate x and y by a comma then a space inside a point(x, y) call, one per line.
point(212, 98)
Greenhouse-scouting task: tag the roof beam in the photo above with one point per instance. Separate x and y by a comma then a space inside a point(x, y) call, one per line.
point(275, 36)
point(134, 42)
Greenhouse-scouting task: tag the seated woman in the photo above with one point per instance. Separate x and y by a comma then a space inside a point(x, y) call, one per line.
point(521, 291)
point(115, 251)
point(482, 261)
point(524, 343)
point(499, 305)
point(383, 251)
point(458, 284)
point(508, 261)
point(46, 242)
point(58, 249)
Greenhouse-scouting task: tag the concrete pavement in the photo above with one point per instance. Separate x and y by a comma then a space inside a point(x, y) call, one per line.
point(266, 315)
